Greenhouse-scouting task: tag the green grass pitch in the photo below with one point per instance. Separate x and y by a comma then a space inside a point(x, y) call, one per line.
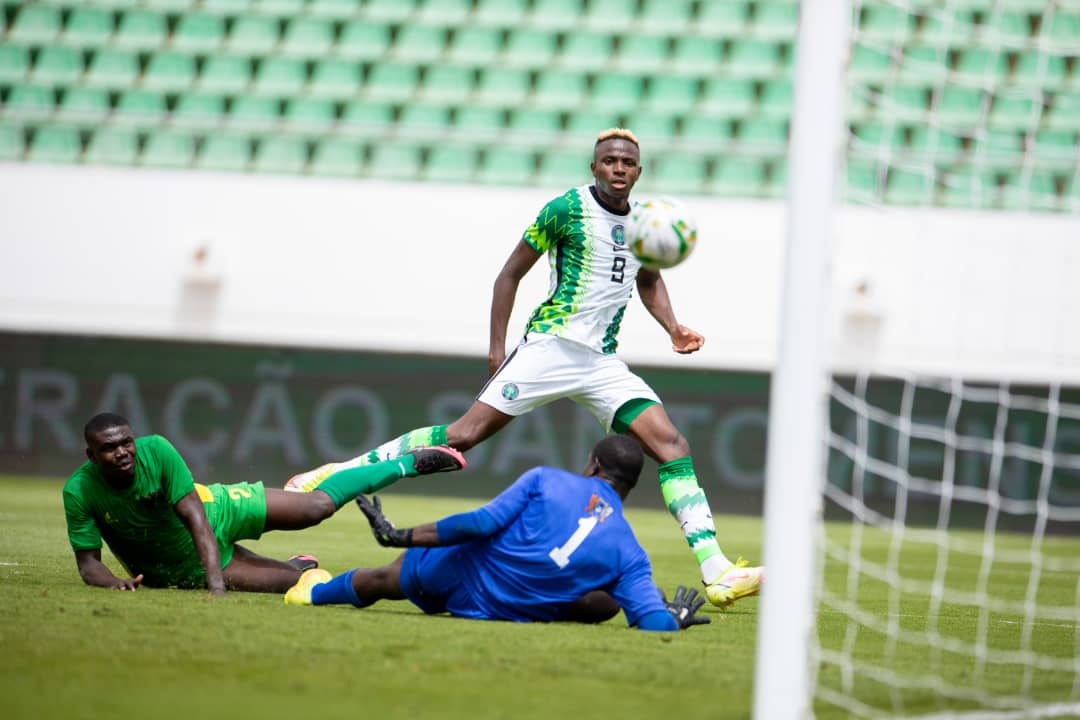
point(70, 651)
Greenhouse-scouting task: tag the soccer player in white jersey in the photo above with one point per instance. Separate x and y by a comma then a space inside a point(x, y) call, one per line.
point(568, 351)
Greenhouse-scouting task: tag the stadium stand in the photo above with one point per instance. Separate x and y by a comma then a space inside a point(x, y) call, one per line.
point(506, 91)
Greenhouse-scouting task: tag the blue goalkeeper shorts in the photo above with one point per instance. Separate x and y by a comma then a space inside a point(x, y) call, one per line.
point(431, 580)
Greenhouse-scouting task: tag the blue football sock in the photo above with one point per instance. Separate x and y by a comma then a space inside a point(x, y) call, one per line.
point(337, 591)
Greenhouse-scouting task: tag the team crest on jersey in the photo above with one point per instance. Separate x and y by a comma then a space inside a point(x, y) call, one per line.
point(598, 507)
point(618, 235)
point(510, 391)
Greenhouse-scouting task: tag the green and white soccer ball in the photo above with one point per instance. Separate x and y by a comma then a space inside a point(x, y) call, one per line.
point(661, 233)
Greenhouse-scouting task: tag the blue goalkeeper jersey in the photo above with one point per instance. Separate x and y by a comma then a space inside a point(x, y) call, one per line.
point(558, 536)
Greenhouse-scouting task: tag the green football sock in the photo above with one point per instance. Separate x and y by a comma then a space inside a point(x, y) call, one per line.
point(345, 485)
point(686, 502)
point(420, 437)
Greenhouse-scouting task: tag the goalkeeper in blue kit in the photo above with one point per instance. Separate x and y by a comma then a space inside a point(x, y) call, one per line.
point(554, 546)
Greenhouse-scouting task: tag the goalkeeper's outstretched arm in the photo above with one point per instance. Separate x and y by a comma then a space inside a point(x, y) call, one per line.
point(452, 530)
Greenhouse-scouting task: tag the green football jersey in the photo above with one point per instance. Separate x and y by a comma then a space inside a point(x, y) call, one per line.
point(138, 522)
point(592, 270)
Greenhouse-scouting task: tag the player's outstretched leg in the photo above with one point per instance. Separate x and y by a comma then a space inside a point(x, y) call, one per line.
point(359, 587)
point(344, 481)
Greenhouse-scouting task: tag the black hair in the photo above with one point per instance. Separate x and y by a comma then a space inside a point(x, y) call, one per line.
point(621, 458)
point(102, 421)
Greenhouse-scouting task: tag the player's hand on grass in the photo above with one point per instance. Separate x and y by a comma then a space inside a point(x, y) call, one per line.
point(131, 584)
point(385, 532)
point(684, 606)
point(685, 341)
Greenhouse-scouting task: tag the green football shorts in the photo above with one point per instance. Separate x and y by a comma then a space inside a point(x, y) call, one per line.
point(235, 512)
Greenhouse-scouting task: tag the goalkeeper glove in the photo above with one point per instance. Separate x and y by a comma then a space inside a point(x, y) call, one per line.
point(385, 532)
point(684, 606)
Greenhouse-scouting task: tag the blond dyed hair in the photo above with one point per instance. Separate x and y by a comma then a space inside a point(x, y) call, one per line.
point(617, 133)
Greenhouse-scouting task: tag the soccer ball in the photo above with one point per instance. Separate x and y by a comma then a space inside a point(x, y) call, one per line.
point(661, 233)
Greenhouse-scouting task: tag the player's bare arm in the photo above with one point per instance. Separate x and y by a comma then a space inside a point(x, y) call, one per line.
point(654, 295)
point(517, 265)
point(192, 513)
point(96, 573)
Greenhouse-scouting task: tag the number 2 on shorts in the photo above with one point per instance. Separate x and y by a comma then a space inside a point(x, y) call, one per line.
point(561, 555)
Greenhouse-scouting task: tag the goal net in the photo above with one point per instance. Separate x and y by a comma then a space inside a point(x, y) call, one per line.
point(945, 557)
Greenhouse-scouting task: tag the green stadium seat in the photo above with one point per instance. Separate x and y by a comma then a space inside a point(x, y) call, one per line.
point(335, 79)
point(1038, 70)
point(754, 58)
point(279, 76)
point(55, 144)
point(310, 115)
point(1055, 148)
point(253, 112)
point(11, 142)
point(199, 110)
point(777, 99)
point(967, 187)
point(936, 145)
point(1037, 191)
point(450, 163)
point(253, 34)
point(904, 102)
point(224, 152)
point(764, 138)
point(35, 24)
point(307, 37)
point(88, 27)
point(909, 187)
point(392, 81)
point(424, 119)
point(869, 137)
point(504, 165)
point(112, 146)
point(419, 43)
point(1015, 112)
point(924, 64)
point(707, 130)
point(983, 65)
point(653, 129)
point(280, 8)
point(536, 127)
point(389, 10)
point(364, 118)
point(225, 73)
point(84, 105)
point(948, 27)
point(886, 23)
point(32, 102)
point(585, 50)
point(479, 121)
point(199, 33)
point(678, 173)
point(57, 65)
point(168, 149)
point(610, 15)
point(1008, 27)
point(112, 69)
point(671, 17)
point(14, 63)
point(503, 85)
point(500, 13)
point(282, 155)
point(1064, 111)
point(776, 178)
point(555, 14)
point(775, 21)
point(861, 102)
point(475, 45)
point(1063, 30)
point(395, 161)
point(141, 30)
point(671, 93)
point(738, 176)
point(870, 64)
point(363, 40)
point(175, 6)
point(115, 4)
point(862, 181)
point(530, 48)
point(726, 97)
point(334, 9)
point(140, 108)
point(645, 53)
point(443, 12)
point(235, 8)
point(339, 157)
point(447, 84)
point(998, 148)
point(726, 19)
point(169, 71)
point(587, 123)
point(960, 106)
point(617, 92)
point(560, 169)
point(697, 55)
point(557, 89)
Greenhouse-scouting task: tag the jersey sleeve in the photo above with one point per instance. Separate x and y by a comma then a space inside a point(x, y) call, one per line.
point(544, 233)
point(176, 478)
point(83, 532)
point(636, 591)
point(510, 503)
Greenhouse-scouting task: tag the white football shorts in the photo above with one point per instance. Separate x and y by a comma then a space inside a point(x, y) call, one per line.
point(544, 368)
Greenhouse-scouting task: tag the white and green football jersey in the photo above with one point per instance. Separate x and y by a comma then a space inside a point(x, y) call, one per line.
point(592, 271)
